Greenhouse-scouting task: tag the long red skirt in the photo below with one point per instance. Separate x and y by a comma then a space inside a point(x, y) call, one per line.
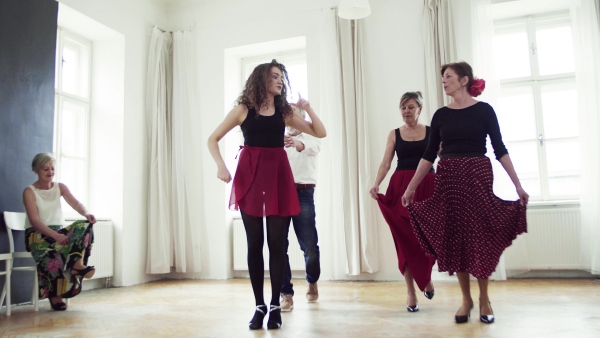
point(464, 225)
point(408, 249)
point(264, 184)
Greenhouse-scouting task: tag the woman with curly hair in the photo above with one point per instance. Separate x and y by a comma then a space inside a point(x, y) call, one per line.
point(263, 185)
point(464, 225)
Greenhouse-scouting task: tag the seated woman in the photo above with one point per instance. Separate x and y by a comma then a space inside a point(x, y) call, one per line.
point(61, 254)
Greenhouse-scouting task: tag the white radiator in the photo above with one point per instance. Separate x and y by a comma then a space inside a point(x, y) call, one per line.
point(552, 241)
point(102, 257)
point(240, 249)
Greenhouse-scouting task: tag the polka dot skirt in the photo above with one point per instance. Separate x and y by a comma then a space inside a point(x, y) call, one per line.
point(464, 225)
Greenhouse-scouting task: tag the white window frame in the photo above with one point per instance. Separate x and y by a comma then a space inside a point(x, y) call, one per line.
point(536, 81)
point(83, 101)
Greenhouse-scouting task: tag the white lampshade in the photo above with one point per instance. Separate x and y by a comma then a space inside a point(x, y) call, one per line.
point(354, 9)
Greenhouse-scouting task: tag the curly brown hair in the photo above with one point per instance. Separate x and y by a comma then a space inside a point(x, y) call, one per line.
point(254, 94)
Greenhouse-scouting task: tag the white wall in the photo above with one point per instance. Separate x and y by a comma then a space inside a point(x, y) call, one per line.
point(132, 21)
point(393, 63)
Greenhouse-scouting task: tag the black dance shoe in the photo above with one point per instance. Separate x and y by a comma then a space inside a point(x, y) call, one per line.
point(274, 317)
point(488, 319)
point(412, 308)
point(429, 294)
point(463, 319)
point(257, 320)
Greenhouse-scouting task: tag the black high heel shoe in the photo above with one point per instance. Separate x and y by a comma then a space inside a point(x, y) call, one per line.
point(463, 319)
point(429, 294)
point(274, 317)
point(86, 273)
point(58, 306)
point(412, 308)
point(257, 320)
point(488, 319)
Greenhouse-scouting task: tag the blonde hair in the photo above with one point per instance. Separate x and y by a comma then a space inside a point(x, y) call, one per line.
point(40, 160)
point(417, 96)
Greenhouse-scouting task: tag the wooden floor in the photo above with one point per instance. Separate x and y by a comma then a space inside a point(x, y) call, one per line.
point(192, 308)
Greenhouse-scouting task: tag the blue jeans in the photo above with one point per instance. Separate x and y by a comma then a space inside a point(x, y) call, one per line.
point(305, 228)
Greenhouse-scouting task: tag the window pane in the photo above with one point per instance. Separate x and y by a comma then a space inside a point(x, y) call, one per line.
point(559, 109)
point(73, 175)
point(564, 164)
point(511, 55)
point(524, 156)
point(298, 81)
point(555, 50)
point(73, 129)
point(75, 68)
point(516, 114)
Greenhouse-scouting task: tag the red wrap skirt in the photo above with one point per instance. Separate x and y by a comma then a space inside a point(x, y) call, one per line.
point(408, 248)
point(464, 225)
point(264, 184)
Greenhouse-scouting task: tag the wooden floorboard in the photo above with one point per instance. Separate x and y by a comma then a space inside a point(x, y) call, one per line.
point(208, 308)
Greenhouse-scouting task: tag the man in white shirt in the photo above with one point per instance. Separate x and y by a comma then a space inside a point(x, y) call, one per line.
point(302, 151)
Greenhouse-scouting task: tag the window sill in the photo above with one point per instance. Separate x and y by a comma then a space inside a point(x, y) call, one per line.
point(553, 204)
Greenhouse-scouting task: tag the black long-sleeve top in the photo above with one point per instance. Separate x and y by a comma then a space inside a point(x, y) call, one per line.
point(465, 131)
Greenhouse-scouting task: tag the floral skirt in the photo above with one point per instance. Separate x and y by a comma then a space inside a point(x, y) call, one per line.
point(54, 261)
point(464, 225)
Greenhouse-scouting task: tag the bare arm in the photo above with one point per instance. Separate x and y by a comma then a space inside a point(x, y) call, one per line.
point(314, 128)
point(385, 165)
point(422, 170)
point(234, 118)
point(75, 204)
point(310, 145)
point(510, 170)
point(34, 218)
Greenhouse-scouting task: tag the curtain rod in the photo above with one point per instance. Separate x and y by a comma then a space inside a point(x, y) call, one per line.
point(166, 31)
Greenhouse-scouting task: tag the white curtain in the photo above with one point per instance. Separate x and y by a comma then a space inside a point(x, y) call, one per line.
point(587, 44)
point(344, 162)
point(158, 98)
point(440, 48)
point(482, 32)
point(172, 240)
point(185, 171)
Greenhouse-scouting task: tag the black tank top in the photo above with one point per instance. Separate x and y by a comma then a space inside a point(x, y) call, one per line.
point(263, 131)
point(409, 153)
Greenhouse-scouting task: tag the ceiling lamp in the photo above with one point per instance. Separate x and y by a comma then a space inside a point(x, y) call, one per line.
point(354, 9)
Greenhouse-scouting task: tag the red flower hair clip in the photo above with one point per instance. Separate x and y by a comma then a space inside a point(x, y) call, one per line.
point(477, 87)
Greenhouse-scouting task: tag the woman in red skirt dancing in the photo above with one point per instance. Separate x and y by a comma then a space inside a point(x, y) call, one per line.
point(263, 185)
point(464, 225)
point(409, 143)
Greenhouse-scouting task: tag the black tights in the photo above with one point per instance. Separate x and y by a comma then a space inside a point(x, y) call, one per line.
point(276, 235)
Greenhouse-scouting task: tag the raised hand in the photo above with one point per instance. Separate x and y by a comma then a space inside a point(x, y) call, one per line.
point(302, 103)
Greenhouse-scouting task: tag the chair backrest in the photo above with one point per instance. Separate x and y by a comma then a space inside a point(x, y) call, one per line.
point(14, 221)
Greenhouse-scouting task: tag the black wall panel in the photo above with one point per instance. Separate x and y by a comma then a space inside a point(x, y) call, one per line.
point(27, 59)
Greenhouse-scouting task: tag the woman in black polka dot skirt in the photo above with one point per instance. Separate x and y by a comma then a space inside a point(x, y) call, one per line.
point(464, 225)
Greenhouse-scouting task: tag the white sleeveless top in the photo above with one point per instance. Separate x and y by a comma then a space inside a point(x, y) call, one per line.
point(48, 205)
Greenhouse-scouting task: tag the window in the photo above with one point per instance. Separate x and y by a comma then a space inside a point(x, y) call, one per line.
point(295, 65)
point(72, 112)
point(537, 110)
